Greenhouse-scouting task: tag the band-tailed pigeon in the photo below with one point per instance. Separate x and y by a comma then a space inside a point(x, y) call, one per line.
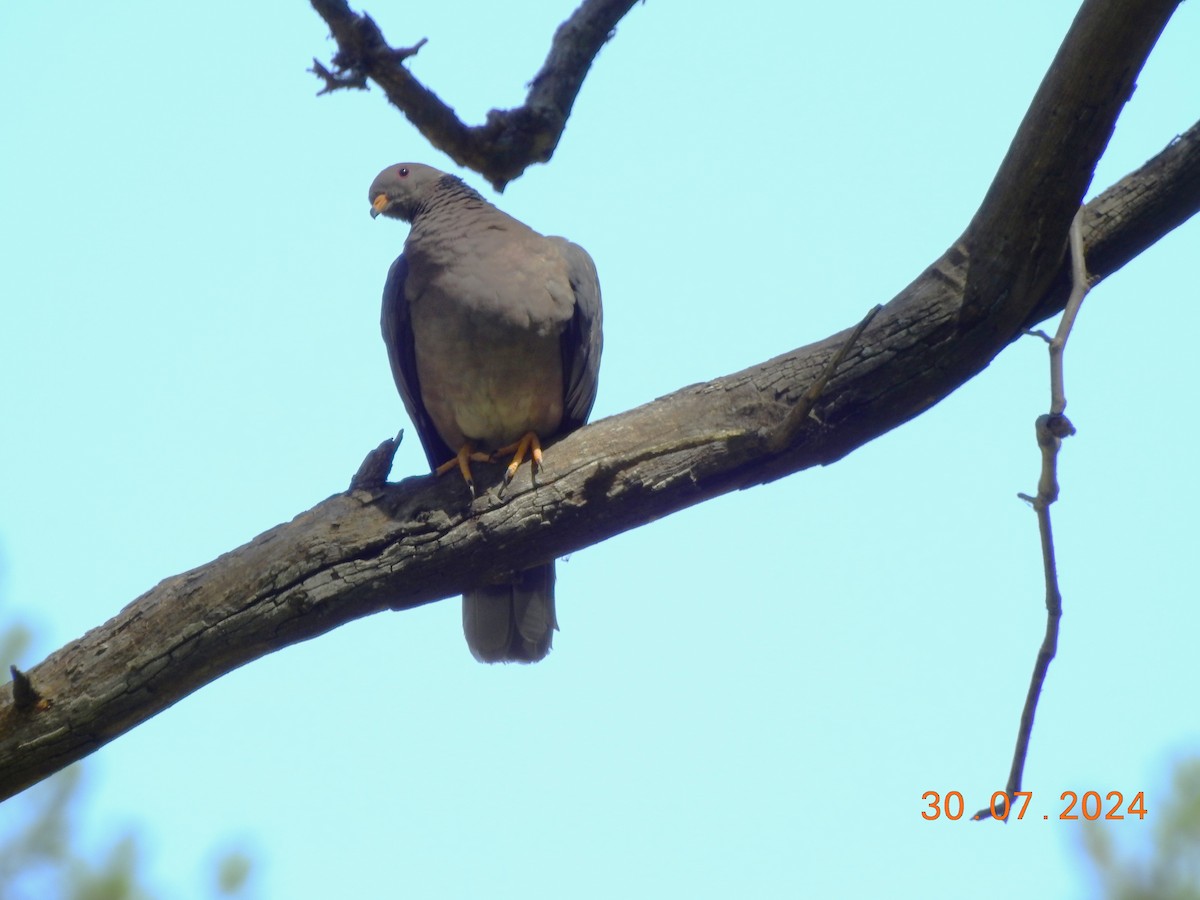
point(493, 333)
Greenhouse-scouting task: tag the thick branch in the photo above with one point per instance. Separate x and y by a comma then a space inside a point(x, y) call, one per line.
point(512, 139)
point(398, 546)
point(1133, 214)
point(1036, 192)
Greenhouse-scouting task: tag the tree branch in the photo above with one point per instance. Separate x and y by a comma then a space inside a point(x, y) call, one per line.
point(512, 139)
point(1051, 428)
point(1133, 214)
point(399, 546)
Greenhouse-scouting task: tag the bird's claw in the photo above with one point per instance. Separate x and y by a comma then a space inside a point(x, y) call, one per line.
point(528, 445)
point(462, 461)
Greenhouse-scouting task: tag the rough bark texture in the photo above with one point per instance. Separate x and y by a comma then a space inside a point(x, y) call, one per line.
point(398, 546)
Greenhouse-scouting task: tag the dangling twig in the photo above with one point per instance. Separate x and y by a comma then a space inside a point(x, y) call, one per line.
point(1051, 429)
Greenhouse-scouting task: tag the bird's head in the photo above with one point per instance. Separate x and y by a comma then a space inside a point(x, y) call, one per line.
point(401, 190)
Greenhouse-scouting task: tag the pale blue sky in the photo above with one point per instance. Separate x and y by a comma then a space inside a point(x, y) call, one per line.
point(748, 697)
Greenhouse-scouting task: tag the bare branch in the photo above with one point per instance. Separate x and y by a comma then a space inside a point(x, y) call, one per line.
point(1079, 278)
point(399, 546)
point(1129, 217)
point(1031, 201)
point(335, 82)
point(1049, 646)
point(512, 139)
point(1050, 430)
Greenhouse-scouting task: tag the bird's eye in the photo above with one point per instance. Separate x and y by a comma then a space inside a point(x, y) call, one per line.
point(402, 172)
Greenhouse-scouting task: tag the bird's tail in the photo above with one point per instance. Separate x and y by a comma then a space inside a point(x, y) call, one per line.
point(512, 622)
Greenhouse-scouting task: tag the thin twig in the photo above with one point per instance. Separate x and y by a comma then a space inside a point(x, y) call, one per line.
point(1051, 429)
point(350, 80)
point(1080, 284)
point(818, 387)
point(782, 437)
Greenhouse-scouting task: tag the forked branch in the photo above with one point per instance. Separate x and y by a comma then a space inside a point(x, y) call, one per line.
point(511, 140)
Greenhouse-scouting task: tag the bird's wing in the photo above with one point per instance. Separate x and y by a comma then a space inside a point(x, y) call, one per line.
point(582, 340)
point(398, 336)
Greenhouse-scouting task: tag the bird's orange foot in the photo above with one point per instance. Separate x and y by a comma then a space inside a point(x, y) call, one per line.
point(462, 461)
point(527, 445)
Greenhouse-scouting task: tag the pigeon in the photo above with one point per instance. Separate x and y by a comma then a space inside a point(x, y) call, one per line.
point(493, 332)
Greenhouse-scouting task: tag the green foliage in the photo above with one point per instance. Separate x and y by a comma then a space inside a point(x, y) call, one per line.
point(233, 871)
point(1171, 869)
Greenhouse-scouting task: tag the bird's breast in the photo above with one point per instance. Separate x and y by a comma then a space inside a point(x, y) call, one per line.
point(486, 376)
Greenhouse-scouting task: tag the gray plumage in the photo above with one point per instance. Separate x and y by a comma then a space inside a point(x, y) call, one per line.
point(493, 331)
